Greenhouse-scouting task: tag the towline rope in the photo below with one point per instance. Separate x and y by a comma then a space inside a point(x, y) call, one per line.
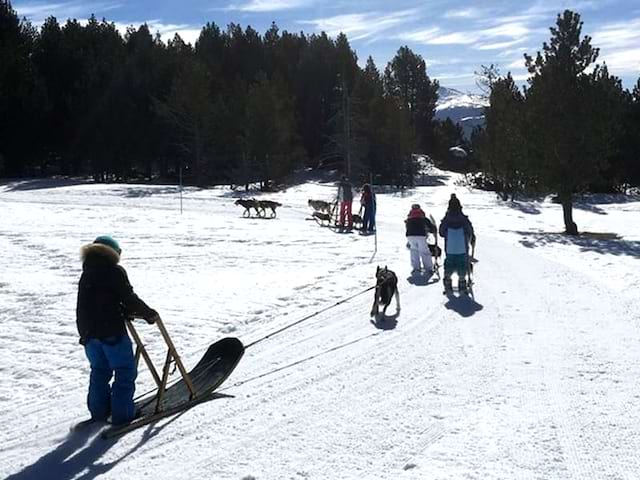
point(280, 330)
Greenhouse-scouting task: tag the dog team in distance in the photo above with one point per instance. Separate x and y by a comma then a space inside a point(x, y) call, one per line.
point(259, 206)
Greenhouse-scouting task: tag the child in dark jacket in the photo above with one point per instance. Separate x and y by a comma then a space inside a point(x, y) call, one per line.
point(105, 301)
point(457, 231)
point(418, 227)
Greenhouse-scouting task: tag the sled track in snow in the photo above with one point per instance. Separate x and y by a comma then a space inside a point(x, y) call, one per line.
point(380, 345)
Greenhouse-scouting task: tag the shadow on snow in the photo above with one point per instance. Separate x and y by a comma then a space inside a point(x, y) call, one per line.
point(44, 183)
point(598, 242)
point(422, 280)
point(463, 305)
point(530, 208)
point(78, 456)
point(385, 322)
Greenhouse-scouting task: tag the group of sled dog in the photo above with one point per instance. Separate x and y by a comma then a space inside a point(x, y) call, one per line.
point(260, 207)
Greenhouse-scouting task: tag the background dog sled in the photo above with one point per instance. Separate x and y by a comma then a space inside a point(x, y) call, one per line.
point(327, 214)
point(324, 213)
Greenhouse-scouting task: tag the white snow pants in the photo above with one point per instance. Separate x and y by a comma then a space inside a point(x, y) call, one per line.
point(420, 251)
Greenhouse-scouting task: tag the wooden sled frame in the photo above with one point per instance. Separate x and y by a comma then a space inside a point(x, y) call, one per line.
point(172, 354)
point(161, 382)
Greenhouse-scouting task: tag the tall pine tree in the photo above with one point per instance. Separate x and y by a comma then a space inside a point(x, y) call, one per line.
point(568, 133)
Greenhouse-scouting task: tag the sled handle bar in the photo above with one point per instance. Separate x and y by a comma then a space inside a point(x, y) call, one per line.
point(172, 354)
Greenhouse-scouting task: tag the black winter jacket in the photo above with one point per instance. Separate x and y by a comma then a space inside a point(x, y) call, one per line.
point(419, 227)
point(105, 296)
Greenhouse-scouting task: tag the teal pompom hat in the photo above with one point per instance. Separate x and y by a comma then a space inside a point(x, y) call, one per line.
point(109, 242)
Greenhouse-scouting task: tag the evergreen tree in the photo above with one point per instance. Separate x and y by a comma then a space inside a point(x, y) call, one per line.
point(609, 105)
point(448, 134)
point(316, 91)
point(96, 52)
point(631, 138)
point(50, 58)
point(270, 136)
point(624, 168)
point(210, 51)
point(344, 143)
point(567, 132)
point(367, 90)
point(503, 155)
point(392, 141)
point(190, 110)
point(21, 94)
point(406, 80)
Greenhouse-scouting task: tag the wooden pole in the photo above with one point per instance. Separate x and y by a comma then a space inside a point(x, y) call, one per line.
point(180, 189)
point(375, 214)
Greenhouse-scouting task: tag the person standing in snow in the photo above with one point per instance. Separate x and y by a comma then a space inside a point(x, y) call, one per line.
point(345, 199)
point(105, 301)
point(368, 202)
point(418, 228)
point(458, 233)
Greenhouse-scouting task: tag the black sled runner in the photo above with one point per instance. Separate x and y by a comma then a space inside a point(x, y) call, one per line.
point(195, 386)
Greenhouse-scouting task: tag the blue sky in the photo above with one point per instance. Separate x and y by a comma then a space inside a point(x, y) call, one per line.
point(454, 37)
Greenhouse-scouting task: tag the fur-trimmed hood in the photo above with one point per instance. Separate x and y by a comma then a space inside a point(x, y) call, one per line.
point(99, 252)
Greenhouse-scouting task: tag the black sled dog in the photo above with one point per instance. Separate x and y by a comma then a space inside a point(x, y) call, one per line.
point(386, 288)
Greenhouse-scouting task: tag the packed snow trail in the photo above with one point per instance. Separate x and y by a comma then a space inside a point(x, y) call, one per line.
point(533, 378)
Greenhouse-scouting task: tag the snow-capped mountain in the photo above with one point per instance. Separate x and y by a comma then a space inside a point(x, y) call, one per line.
point(467, 109)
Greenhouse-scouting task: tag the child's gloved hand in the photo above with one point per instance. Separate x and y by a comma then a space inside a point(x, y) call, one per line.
point(153, 318)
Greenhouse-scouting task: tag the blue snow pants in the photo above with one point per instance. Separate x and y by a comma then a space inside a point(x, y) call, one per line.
point(369, 218)
point(108, 357)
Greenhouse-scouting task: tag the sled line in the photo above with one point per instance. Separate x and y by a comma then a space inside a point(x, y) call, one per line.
point(318, 312)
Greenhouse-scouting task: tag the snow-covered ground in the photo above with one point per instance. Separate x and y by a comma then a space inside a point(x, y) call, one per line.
point(536, 377)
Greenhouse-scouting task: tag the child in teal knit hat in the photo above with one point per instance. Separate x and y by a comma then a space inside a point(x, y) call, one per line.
point(106, 300)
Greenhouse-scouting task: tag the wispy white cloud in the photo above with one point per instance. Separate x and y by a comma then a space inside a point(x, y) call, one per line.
point(466, 13)
point(623, 61)
point(188, 33)
point(268, 5)
point(498, 45)
point(554, 6)
point(517, 64)
point(449, 61)
point(507, 29)
point(619, 44)
point(499, 35)
point(360, 25)
point(420, 36)
point(513, 52)
point(454, 38)
point(37, 12)
point(454, 76)
point(618, 34)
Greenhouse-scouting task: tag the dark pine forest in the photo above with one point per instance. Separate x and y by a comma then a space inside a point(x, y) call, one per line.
point(240, 107)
